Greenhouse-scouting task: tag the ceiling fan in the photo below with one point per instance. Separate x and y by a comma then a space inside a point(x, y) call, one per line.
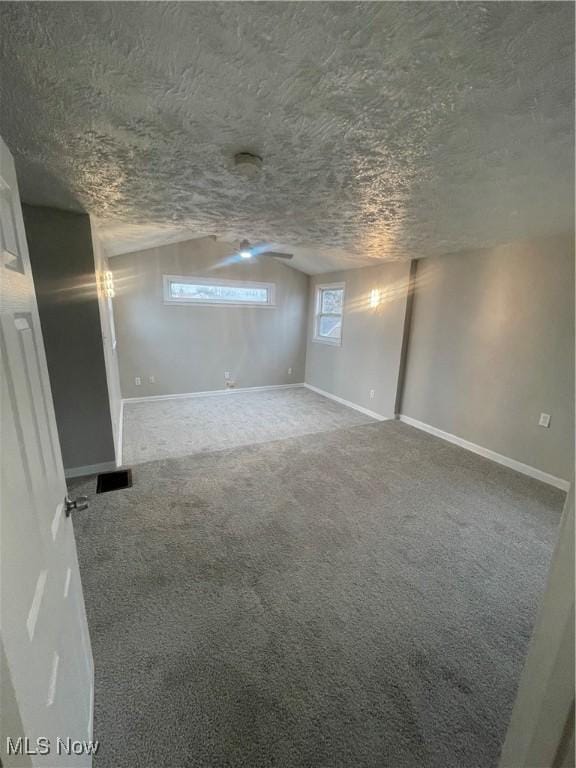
point(248, 251)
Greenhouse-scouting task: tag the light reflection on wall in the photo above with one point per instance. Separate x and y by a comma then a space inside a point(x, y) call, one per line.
point(119, 282)
point(379, 298)
point(108, 280)
point(76, 289)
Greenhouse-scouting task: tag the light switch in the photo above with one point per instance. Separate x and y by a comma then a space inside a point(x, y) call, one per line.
point(544, 420)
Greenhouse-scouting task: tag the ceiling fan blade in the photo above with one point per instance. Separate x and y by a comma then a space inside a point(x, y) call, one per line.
point(277, 255)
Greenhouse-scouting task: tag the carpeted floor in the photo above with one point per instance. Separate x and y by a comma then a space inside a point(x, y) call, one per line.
point(159, 429)
point(354, 598)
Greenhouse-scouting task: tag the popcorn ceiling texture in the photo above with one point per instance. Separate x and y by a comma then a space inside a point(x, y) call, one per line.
point(388, 130)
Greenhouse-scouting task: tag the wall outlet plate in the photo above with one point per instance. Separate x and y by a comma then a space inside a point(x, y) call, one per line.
point(372, 393)
point(152, 379)
point(544, 420)
point(226, 375)
point(137, 381)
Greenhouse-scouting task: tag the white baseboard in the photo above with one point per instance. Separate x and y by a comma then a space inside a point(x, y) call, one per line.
point(120, 435)
point(525, 469)
point(209, 393)
point(90, 469)
point(348, 403)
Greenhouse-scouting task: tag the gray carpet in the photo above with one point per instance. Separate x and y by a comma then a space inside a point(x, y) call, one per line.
point(361, 597)
point(160, 429)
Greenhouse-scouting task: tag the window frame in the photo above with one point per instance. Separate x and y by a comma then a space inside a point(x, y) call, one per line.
point(167, 280)
point(318, 314)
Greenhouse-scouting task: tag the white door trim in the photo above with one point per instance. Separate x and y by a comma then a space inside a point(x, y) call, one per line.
point(120, 435)
point(525, 469)
point(541, 729)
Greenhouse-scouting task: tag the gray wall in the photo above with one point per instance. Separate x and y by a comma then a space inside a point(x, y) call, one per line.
point(188, 348)
point(62, 261)
point(492, 345)
point(369, 357)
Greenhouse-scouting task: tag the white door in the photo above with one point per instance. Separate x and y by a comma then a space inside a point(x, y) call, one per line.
point(47, 688)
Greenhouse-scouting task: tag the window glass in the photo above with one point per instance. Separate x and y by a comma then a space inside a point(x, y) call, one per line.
point(183, 290)
point(202, 292)
point(330, 327)
point(332, 300)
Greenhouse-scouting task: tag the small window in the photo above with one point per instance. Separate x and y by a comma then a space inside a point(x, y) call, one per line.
point(329, 307)
point(199, 290)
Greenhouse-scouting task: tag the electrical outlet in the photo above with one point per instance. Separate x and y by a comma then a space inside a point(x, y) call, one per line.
point(137, 381)
point(544, 420)
point(289, 371)
point(152, 379)
point(372, 393)
point(226, 375)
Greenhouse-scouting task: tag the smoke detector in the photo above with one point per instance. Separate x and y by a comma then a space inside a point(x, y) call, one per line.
point(247, 164)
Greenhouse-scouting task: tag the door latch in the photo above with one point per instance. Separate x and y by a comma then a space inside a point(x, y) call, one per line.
point(81, 502)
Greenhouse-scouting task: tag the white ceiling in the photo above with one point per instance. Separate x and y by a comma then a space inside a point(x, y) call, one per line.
point(388, 130)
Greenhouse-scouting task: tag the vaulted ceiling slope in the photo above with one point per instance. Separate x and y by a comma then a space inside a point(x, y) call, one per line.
point(388, 130)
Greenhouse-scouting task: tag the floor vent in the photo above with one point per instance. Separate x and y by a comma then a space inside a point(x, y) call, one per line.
point(114, 481)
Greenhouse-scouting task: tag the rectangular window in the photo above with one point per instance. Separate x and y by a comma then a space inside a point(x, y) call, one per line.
point(200, 290)
point(328, 311)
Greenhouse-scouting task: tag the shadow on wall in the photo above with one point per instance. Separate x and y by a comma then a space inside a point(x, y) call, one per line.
point(62, 260)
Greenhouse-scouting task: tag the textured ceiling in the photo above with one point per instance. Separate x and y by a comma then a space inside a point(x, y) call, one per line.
point(388, 130)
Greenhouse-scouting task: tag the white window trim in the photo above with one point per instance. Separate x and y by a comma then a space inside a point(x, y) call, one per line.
point(168, 299)
point(317, 294)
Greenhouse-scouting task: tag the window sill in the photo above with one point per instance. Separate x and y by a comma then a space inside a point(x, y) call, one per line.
point(328, 342)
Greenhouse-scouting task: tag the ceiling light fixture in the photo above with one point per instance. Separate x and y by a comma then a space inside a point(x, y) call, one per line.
point(245, 252)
